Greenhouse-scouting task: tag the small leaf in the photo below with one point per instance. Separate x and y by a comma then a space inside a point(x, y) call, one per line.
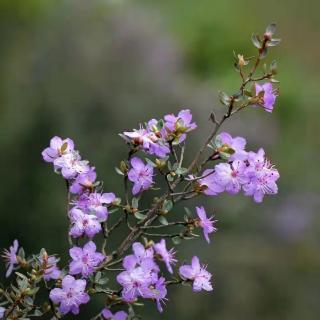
point(188, 212)
point(271, 29)
point(176, 240)
point(181, 171)
point(224, 98)
point(256, 41)
point(274, 42)
point(167, 205)
point(150, 162)
point(264, 53)
point(163, 220)
point(140, 216)
point(135, 203)
point(119, 171)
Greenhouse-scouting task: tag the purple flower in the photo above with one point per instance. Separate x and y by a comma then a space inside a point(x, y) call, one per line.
point(10, 256)
point(51, 270)
point(84, 181)
point(2, 312)
point(95, 203)
point(71, 295)
point(85, 259)
point(199, 275)
point(269, 95)
point(237, 144)
point(141, 175)
point(205, 223)
point(209, 184)
point(120, 315)
point(140, 272)
point(231, 176)
point(158, 292)
point(57, 148)
point(71, 165)
point(263, 177)
point(83, 224)
point(148, 141)
point(180, 124)
point(166, 256)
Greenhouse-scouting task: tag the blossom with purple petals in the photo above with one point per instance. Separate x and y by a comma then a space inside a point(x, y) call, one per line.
point(269, 95)
point(237, 144)
point(2, 312)
point(231, 176)
point(71, 295)
point(263, 177)
point(108, 315)
point(84, 181)
point(167, 256)
point(85, 259)
point(141, 175)
point(95, 203)
point(51, 270)
point(83, 224)
point(205, 223)
point(180, 124)
point(10, 256)
point(199, 275)
point(70, 165)
point(158, 292)
point(208, 183)
point(148, 141)
point(58, 147)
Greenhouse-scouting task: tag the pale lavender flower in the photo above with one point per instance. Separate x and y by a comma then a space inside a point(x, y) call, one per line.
point(231, 176)
point(199, 275)
point(51, 271)
point(84, 181)
point(158, 292)
point(263, 176)
point(269, 95)
point(167, 256)
point(57, 148)
point(209, 184)
point(205, 223)
point(83, 224)
point(70, 165)
point(137, 277)
point(181, 123)
point(108, 315)
point(95, 203)
point(237, 144)
point(84, 260)
point(141, 175)
point(71, 295)
point(10, 257)
point(2, 312)
point(148, 141)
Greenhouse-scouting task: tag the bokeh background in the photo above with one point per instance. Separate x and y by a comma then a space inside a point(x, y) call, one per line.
point(91, 69)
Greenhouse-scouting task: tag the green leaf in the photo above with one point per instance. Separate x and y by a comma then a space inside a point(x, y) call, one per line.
point(118, 171)
point(163, 220)
point(274, 42)
point(167, 205)
point(176, 240)
point(135, 203)
point(271, 28)
point(181, 171)
point(140, 216)
point(224, 98)
point(188, 212)
point(256, 41)
point(150, 162)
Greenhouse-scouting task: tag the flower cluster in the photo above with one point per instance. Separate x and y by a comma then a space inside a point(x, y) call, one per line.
point(157, 136)
point(222, 165)
point(249, 171)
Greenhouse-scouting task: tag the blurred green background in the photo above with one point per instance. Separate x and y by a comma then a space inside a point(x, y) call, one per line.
point(91, 69)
